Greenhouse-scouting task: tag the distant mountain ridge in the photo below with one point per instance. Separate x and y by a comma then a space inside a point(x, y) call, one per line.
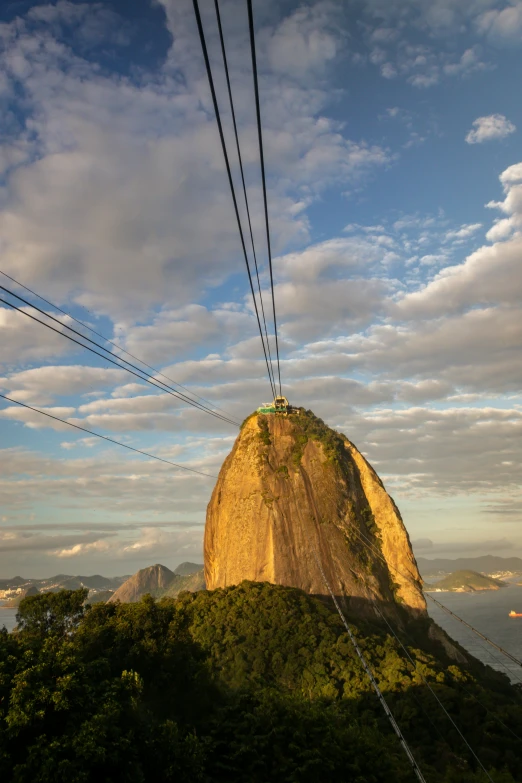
point(65, 582)
point(487, 564)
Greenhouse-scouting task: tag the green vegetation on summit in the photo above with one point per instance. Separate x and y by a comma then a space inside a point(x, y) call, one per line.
point(247, 684)
point(466, 582)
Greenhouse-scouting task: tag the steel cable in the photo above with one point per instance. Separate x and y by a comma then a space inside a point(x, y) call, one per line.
point(111, 342)
point(478, 633)
point(229, 174)
point(263, 177)
point(240, 159)
point(371, 677)
point(104, 437)
point(147, 377)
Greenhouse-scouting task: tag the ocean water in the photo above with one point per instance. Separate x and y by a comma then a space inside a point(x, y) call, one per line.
point(488, 613)
point(7, 618)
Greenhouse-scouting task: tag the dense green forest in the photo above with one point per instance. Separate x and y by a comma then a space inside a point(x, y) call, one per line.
point(251, 684)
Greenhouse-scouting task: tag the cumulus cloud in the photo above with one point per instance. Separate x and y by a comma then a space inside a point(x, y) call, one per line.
point(494, 126)
point(134, 234)
point(310, 310)
point(502, 25)
point(305, 41)
point(454, 549)
point(82, 549)
point(24, 340)
point(423, 450)
point(489, 275)
point(404, 356)
point(193, 327)
point(41, 384)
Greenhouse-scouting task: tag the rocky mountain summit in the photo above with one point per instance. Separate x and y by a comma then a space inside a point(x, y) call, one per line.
point(153, 580)
point(293, 492)
point(158, 580)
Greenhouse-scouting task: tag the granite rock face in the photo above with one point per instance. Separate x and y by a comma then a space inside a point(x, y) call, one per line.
point(295, 498)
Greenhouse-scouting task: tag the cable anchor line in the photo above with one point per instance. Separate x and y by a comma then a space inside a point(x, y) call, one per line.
point(427, 684)
point(263, 178)
point(475, 631)
point(390, 628)
point(145, 375)
point(104, 437)
point(366, 543)
point(372, 679)
point(229, 174)
point(111, 342)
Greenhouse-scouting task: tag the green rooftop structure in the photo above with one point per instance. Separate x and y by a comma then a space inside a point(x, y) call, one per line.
point(279, 405)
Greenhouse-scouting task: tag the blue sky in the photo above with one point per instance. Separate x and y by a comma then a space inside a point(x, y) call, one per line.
point(393, 147)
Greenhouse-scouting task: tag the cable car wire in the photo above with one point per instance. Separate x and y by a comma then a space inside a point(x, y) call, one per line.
point(369, 672)
point(116, 345)
point(390, 628)
point(368, 544)
point(240, 159)
point(475, 631)
point(263, 178)
point(229, 175)
point(427, 684)
point(475, 698)
point(104, 437)
point(145, 377)
point(383, 617)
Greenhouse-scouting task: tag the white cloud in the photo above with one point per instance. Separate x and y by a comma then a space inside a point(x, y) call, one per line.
point(489, 275)
point(178, 332)
point(494, 126)
point(502, 25)
point(309, 310)
point(40, 384)
point(440, 17)
point(134, 234)
point(469, 63)
point(304, 41)
point(83, 549)
point(464, 232)
point(24, 340)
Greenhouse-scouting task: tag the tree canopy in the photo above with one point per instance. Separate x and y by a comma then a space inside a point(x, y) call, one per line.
point(252, 684)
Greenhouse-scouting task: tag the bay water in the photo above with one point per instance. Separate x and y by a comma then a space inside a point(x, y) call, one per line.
point(7, 617)
point(488, 612)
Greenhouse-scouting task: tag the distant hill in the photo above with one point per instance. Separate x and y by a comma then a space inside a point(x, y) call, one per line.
point(191, 583)
point(487, 564)
point(467, 582)
point(154, 580)
point(16, 581)
point(100, 597)
point(65, 582)
point(185, 569)
point(159, 581)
